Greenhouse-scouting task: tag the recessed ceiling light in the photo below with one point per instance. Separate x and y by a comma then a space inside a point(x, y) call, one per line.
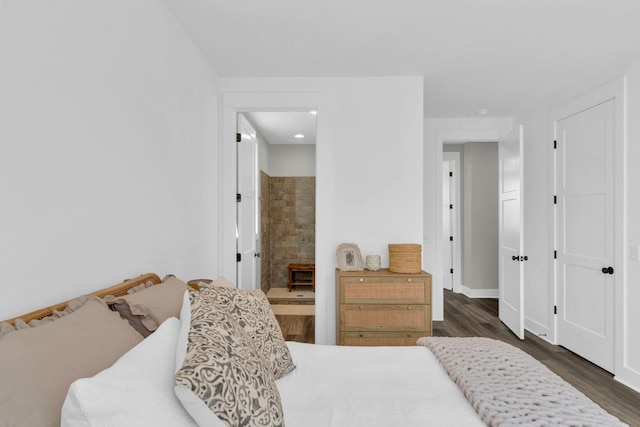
point(314, 112)
point(483, 112)
point(298, 135)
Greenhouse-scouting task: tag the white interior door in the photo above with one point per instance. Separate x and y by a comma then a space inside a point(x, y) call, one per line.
point(511, 236)
point(247, 212)
point(585, 225)
point(447, 226)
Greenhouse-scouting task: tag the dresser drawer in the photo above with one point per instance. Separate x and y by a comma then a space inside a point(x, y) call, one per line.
point(381, 290)
point(384, 317)
point(382, 308)
point(381, 338)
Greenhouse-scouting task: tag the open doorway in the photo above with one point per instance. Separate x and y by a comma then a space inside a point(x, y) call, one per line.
point(474, 227)
point(285, 232)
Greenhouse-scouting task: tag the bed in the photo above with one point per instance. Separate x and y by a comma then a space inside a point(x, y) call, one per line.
point(152, 352)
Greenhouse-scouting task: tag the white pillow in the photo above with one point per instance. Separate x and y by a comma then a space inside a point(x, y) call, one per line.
point(183, 334)
point(136, 391)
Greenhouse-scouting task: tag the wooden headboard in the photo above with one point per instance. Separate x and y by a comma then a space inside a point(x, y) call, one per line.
point(115, 290)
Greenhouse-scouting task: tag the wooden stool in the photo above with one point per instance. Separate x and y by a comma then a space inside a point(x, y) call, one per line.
point(302, 274)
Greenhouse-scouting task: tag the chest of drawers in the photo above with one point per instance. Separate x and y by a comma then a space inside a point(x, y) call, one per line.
point(382, 308)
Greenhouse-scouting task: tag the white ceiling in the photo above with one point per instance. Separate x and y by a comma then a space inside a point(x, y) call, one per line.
point(280, 127)
point(503, 55)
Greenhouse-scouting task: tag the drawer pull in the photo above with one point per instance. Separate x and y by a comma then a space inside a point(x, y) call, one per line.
point(361, 279)
point(361, 335)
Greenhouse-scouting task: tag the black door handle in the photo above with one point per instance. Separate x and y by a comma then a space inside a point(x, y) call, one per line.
point(515, 258)
point(607, 270)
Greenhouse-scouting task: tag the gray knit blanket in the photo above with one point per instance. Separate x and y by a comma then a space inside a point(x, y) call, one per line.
point(507, 387)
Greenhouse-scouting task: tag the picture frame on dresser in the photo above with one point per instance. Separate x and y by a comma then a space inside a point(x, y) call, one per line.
point(349, 258)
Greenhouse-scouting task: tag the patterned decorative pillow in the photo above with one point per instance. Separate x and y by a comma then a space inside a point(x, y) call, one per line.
point(252, 311)
point(223, 371)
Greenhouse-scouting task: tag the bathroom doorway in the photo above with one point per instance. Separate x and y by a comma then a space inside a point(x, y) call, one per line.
point(286, 204)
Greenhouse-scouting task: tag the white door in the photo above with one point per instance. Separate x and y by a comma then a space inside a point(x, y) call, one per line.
point(447, 226)
point(247, 186)
point(512, 257)
point(585, 276)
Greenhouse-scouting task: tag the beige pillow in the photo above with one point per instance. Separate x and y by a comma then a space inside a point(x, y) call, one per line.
point(223, 376)
point(38, 364)
point(18, 324)
point(222, 281)
point(153, 304)
point(134, 321)
point(252, 311)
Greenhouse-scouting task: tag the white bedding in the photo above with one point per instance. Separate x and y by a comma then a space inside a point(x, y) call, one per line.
point(331, 386)
point(371, 386)
point(136, 391)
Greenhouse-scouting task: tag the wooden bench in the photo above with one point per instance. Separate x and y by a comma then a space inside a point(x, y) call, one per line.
point(302, 274)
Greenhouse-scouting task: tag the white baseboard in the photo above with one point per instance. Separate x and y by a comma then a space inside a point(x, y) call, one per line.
point(630, 378)
point(480, 293)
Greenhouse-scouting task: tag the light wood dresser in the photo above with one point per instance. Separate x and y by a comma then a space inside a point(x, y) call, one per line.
point(382, 308)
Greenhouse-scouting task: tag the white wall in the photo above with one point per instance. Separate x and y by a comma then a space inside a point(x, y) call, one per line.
point(437, 131)
point(264, 154)
point(109, 122)
point(480, 250)
point(292, 160)
point(368, 166)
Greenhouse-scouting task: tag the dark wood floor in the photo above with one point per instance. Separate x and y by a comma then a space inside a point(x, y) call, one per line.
point(478, 317)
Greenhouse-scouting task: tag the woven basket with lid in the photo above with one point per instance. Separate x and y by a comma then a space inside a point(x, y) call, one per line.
point(405, 258)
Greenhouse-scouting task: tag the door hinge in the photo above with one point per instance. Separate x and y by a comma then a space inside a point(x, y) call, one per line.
point(451, 270)
point(555, 254)
point(238, 137)
point(238, 197)
point(555, 200)
point(555, 309)
point(555, 144)
point(450, 206)
point(451, 238)
point(450, 173)
point(238, 257)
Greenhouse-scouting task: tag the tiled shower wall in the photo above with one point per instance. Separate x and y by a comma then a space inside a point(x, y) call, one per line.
point(288, 226)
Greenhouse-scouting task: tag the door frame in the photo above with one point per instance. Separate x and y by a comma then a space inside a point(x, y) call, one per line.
point(233, 103)
point(456, 230)
point(615, 91)
point(453, 131)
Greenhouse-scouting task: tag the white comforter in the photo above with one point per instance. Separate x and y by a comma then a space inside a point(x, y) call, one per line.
point(331, 386)
point(371, 386)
